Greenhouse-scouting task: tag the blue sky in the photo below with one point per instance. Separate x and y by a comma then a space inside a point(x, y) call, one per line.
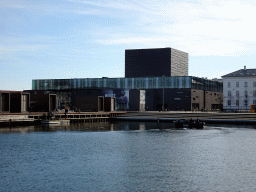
point(53, 39)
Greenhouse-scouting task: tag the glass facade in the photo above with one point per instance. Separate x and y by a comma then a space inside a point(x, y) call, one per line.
point(207, 85)
point(113, 83)
point(127, 83)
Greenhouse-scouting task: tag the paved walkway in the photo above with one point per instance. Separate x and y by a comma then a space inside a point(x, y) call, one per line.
point(213, 117)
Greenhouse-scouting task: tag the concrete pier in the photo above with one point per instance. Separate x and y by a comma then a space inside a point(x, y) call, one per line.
point(208, 117)
point(169, 116)
point(13, 119)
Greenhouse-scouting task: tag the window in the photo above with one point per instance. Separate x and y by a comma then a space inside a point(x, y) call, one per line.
point(229, 102)
point(229, 93)
point(245, 93)
point(254, 84)
point(254, 93)
point(245, 102)
point(245, 84)
point(237, 84)
point(229, 84)
point(254, 101)
point(237, 102)
point(237, 93)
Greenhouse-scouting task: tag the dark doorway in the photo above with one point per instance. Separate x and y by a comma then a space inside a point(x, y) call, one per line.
point(52, 104)
point(5, 102)
point(101, 103)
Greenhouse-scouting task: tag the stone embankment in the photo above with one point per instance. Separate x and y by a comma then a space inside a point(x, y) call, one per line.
point(169, 116)
point(209, 117)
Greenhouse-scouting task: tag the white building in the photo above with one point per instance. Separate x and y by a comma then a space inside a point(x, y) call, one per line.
point(239, 89)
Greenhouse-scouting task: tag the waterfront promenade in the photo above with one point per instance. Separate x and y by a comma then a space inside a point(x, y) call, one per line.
point(9, 119)
point(209, 117)
point(168, 116)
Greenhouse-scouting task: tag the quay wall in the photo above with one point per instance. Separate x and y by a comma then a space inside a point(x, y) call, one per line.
point(208, 117)
point(10, 119)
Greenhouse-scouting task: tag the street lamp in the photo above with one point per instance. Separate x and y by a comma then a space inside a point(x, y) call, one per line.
point(246, 97)
point(163, 91)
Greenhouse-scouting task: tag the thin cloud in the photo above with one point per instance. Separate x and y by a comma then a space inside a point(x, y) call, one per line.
point(132, 40)
point(212, 28)
point(198, 27)
point(6, 50)
point(123, 5)
point(13, 44)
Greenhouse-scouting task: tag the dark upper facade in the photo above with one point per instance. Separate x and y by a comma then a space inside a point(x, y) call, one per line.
point(155, 62)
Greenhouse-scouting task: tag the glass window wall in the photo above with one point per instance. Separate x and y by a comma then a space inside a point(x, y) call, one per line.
point(128, 83)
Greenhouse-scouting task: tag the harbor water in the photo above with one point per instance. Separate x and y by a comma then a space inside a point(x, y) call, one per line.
point(127, 156)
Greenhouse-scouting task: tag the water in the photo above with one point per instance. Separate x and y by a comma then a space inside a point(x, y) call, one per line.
point(128, 156)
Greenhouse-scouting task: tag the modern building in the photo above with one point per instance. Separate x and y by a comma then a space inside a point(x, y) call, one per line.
point(155, 79)
point(155, 62)
point(137, 94)
point(239, 89)
point(14, 101)
point(43, 101)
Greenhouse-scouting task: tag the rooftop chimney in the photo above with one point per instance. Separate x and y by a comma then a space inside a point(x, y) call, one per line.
point(245, 67)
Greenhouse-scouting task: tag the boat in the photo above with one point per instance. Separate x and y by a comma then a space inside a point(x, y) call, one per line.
point(50, 122)
point(183, 123)
point(196, 124)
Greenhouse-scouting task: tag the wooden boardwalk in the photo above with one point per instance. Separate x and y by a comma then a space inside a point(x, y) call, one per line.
point(13, 119)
